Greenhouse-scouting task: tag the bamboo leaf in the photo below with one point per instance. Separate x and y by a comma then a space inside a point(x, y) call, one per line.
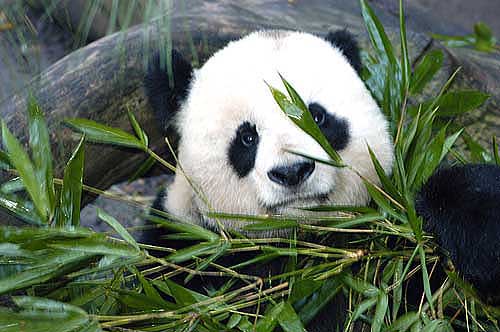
point(100, 133)
point(55, 263)
point(378, 37)
point(21, 209)
point(39, 143)
point(320, 298)
point(26, 170)
point(380, 311)
point(301, 116)
point(44, 315)
point(460, 102)
point(404, 322)
point(387, 184)
point(196, 231)
point(405, 58)
point(425, 278)
point(71, 191)
point(425, 70)
point(141, 134)
point(289, 320)
point(361, 308)
point(113, 223)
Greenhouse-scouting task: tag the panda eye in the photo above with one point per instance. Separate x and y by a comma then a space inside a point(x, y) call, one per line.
point(248, 138)
point(318, 114)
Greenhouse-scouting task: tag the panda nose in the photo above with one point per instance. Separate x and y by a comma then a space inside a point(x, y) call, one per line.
point(291, 175)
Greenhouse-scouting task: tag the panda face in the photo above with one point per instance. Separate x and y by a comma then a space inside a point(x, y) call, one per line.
point(235, 141)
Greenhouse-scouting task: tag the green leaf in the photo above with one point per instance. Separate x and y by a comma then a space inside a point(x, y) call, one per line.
point(455, 41)
point(197, 231)
point(302, 288)
point(425, 278)
point(477, 152)
point(96, 246)
point(140, 301)
point(383, 202)
point(482, 39)
point(438, 325)
point(301, 116)
point(71, 191)
point(20, 209)
point(270, 319)
point(320, 298)
point(113, 223)
point(361, 308)
point(378, 37)
point(387, 184)
point(289, 320)
point(100, 133)
point(380, 311)
point(360, 286)
point(234, 320)
point(425, 70)
point(271, 225)
point(12, 186)
point(460, 102)
point(141, 134)
point(44, 315)
point(39, 142)
point(204, 248)
point(143, 169)
point(148, 288)
point(405, 58)
point(22, 163)
point(182, 295)
point(485, 41)
point(398, 290)
point(436, 153)
point(294, 96)
point(404, 322)
point(52, 265)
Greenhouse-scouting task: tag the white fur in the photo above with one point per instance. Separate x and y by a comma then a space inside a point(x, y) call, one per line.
point(230, 89)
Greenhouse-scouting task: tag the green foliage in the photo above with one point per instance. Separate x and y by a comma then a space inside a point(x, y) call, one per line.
point(69, 279)
point(481, 39)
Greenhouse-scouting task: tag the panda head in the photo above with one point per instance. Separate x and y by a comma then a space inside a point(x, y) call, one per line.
point(235, 141)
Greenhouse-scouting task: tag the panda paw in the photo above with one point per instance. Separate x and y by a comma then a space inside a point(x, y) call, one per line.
point(460, 206)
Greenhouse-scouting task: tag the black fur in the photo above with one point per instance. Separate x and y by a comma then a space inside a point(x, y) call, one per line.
point(335, 129)
point(461, 208)
point(241, 155)
point(165, 93)
point(346, 42)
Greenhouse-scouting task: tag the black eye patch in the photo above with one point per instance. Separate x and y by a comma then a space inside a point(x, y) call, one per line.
point(243, 149)
point(335, 129)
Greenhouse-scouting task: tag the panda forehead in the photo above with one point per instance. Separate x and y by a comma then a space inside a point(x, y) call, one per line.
point(237, 74)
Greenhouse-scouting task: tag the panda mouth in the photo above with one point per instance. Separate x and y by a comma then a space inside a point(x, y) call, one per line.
point(296, 202)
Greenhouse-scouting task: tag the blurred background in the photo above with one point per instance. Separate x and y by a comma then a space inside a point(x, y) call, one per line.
point(36, 33)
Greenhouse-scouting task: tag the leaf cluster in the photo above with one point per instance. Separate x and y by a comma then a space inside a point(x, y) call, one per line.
point(59, 276)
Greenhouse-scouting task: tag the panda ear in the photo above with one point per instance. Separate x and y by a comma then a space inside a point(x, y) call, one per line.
point(347, 44)
point(165, 90)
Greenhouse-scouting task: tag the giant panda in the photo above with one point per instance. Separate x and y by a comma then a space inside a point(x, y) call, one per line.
point(232, 129)
point(234, 145)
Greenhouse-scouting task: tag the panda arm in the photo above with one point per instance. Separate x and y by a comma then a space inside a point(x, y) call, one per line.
point(461, 208)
